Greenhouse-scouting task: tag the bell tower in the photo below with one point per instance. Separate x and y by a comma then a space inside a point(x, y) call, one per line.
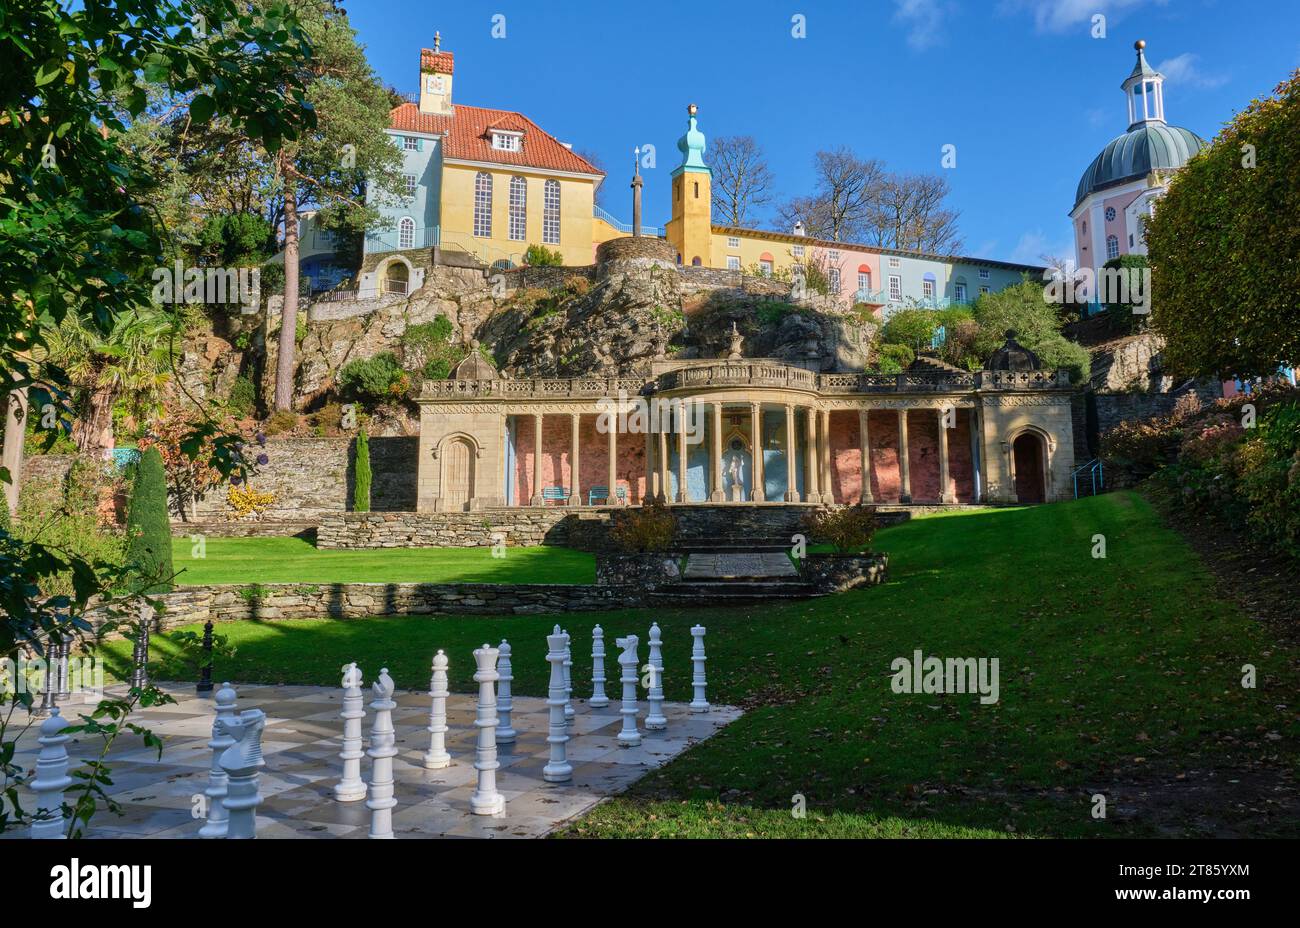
point(436, 69)
point(690, 231)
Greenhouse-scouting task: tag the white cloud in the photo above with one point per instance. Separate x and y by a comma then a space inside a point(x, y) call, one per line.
point(922, 19)
point(1033, 246)
point(1183, 70)
point(1063, 15)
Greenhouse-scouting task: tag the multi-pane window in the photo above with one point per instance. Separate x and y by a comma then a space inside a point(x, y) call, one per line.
point(1110, 214)
point(410, 184)
point(984, 273)
point(833, 255)
point(895, 262)
point(551, 212)
point(797, 251)
point(765, 267)
point(835, 280)
point(518, 209)
point(983, 290)
point(410, 143)
point(483, 204)
point(864, 281)
point(1112, 246)
point(927, 289)
point(960, 292)
point(733, 262)
point(406, 233)
point(733, 241)
point(504, 142)
point(895, 287)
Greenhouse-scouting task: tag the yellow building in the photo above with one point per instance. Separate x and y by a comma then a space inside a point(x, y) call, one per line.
point(489, 182)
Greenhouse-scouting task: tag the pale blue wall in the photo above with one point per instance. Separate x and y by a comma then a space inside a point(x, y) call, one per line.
point(426, 165)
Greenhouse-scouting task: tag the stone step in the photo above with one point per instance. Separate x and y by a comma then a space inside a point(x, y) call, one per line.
point(741, 587)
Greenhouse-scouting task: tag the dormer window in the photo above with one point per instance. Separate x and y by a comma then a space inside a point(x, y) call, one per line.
point(507, 141)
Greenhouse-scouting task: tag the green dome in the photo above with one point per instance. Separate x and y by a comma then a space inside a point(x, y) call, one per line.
point(1148, 146)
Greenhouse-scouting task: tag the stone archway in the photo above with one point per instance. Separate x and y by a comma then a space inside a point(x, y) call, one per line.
point(1029, 467)
point(458, 475)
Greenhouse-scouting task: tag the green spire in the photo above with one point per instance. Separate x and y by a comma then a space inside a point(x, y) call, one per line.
point(691, 145)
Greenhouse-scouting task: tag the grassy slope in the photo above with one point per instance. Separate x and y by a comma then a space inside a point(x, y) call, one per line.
point(293, 560)
point(1113, 672)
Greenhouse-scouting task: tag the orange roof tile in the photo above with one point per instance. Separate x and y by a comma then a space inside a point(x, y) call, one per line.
point(467, 136)
point(437, 62)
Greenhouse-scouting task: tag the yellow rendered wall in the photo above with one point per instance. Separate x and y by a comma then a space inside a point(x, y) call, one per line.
point(749, 251)
point(690, 229)
point(576, 200)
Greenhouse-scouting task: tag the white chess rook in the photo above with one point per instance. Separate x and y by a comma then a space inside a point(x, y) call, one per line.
point(51, 777)
point(655, 720)
point(383, 747)
point(486, 800)
point(628, 662)
point(598, 697)
point(568, 677)
point(350, 786)
point(699, 703)
point(241, 762)
point(505, 731)
point(218, 819)
point(557, 769)
point(437, 757)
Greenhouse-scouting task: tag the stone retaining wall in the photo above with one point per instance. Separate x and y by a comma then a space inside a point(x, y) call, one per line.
point(521, 528)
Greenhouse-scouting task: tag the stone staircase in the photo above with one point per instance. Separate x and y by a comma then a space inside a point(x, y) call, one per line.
point(739, 572)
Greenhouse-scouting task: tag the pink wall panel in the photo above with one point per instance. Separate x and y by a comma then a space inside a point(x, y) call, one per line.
point(923, 454)
point(593, 458)
point(846, 457)
point(882, 430)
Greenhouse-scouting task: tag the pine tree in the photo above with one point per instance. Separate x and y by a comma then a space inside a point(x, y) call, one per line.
point(149, 544)
point(361, 485)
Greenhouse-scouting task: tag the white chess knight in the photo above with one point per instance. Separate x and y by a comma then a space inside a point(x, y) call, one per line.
point(629, 736)
point(486, 800)
point(598, 697)
point(437, 757)
point(218, 818)
point(558, 769)
point(655, 720)
point(698, 681)
point(241, 762)
point(351, 787)
point(383, 747)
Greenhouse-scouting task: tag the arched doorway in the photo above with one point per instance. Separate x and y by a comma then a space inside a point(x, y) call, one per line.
point(396, 277)
point(457, 475)
point(1029, 462)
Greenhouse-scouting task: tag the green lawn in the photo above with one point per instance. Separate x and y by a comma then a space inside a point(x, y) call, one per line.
point(293, 560)
point(1118, 676)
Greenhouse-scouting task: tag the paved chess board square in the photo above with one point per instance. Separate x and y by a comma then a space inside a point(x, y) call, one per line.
point(301, 743)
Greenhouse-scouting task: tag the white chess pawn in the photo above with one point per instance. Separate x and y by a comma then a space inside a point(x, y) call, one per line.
point(628, 662)
point(350, 786)
point(655, 720)
point(699, 703)
point(486, 800)
point(505, 731)
point(568, 678)
point(383, 747)
point(51, 777)
point(598, 697)
point(218, 819)
point(241, 762)
point(437, 757)
point(558, 769)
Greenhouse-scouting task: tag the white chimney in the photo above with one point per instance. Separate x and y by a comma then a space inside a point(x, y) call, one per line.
point(798, 229)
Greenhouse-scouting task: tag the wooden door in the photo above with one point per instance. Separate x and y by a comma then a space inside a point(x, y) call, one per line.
point(1028, 453)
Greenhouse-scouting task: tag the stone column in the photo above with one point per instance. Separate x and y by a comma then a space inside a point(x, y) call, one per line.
point(537, 459)
point(946, 494)
point(682, 495)
point(613, 462)
point(662, 463)
point(575, 491)
point(976, 458)
point(756, 442)
point(865, 446)
point(715, 447)
point(791, 450)
point(811, 464)
point(827, 484)
point(904, 477)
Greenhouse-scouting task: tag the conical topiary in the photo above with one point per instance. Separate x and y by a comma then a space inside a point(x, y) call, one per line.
point(361, 483)
point(149, 537)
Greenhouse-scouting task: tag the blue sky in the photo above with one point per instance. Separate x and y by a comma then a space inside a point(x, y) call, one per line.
point(1020, 87)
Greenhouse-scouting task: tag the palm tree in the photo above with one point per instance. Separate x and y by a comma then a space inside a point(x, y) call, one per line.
point(132, 362)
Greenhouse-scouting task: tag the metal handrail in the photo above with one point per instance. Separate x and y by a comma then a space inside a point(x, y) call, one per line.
point(1095, 472)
